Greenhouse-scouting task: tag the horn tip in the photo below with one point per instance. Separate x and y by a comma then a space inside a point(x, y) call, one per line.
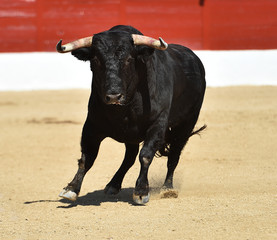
point(164, 45)
point(59, 47)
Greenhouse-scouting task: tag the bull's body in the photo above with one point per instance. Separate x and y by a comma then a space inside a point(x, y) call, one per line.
point(138, 94)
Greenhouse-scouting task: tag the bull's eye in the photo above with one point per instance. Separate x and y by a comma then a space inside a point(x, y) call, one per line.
point(129, 60)
point(95, 61)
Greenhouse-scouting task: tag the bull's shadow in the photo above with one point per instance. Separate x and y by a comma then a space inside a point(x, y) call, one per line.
point(98, 197)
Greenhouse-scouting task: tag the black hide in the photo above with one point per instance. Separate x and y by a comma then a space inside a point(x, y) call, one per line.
point(139, 94)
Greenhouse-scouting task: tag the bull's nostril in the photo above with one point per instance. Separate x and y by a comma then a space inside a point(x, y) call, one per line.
point(119, 96)
point(108, 98)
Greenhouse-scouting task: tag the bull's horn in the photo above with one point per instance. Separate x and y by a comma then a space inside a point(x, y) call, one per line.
point(83, 42)
point(148, 41)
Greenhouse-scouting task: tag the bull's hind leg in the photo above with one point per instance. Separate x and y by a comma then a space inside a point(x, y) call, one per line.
point(173, 160)
point(72, 190)
point(114, 186)
point(179, 137)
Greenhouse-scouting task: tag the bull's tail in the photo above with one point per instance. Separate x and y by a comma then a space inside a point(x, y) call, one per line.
point(198, 131)
point(165, 149)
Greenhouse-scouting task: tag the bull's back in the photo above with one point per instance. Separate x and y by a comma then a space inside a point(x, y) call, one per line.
point(186, 59)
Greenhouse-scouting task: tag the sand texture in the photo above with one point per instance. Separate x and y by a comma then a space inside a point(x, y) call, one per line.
point(226, 181)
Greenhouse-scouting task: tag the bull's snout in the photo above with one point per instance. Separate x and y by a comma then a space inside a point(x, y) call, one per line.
point(114, 98)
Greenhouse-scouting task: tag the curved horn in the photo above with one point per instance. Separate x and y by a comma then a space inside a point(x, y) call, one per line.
point(83, 42)
point(148, 41)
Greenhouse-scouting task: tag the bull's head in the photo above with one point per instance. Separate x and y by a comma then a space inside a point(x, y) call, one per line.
point(115, 58)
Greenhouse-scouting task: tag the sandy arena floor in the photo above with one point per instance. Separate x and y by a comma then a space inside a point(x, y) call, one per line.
point(226, 179)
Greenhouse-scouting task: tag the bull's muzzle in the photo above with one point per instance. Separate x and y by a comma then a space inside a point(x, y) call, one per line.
point(116, 99)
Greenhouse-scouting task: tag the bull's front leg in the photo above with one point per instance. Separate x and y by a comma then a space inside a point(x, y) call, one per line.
point(153, 141)
point(90, 145)
point(72, 190)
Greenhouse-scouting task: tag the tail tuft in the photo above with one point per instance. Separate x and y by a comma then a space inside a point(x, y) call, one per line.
point(199, 130)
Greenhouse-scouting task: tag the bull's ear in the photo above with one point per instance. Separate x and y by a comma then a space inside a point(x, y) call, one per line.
point(83, 54)
point(144, 53)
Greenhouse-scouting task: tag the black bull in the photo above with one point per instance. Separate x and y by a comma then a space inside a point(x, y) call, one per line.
point(139, 94)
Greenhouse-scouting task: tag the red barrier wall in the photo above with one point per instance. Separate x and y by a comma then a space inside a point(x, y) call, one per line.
point(37, 25)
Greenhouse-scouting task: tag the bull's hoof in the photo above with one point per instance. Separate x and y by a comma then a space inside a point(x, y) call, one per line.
point(110, 190)
point(68, 194)
point(140, 199)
